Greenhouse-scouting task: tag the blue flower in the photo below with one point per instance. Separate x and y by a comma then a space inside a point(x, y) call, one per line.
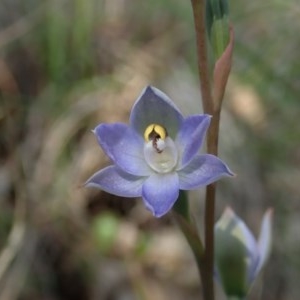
point(156, 155)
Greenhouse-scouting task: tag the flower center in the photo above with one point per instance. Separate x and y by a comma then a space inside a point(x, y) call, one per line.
point(159, 150)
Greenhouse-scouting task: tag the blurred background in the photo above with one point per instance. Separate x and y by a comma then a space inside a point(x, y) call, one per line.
point(67, 65)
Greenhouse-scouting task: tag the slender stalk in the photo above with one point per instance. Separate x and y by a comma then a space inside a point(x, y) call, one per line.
point(208, 257)
point(203, 67)
point(207, 260)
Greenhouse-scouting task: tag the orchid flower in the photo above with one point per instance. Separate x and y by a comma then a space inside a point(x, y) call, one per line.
point(238, 256)
point(156, 155)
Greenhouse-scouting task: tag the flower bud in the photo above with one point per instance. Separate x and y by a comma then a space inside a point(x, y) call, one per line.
point(217, 23)
point(238, 256)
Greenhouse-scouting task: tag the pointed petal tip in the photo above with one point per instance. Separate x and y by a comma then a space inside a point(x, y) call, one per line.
point(228, 172)
point(227, 215)
point(160, 94)
point(231, 174)
point(208, 116)
point(146, 89)
point(229, 211)
point(89, 184)
point(149, 89)
point(99, 126)
point(269, 213)
point(152, 88)
point(155, 213)
point(268, 218)
point(158, 214)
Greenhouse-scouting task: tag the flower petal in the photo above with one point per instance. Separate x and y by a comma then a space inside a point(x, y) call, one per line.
point(236, 249)
point(154, 107)
point(202, 170)
point(160, 191)
point(115, 181)
point(245, 235)
point(191, 135)
point(265, 239)
point(124, 147)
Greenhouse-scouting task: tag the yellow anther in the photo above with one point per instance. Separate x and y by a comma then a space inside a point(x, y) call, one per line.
point(155, 132)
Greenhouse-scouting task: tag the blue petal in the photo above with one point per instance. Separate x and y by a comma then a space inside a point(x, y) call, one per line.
point(160, 191)
point(201, 171)
point(265, 240)
point(114, 181)
point(153, 106)
point(249, 241)
point(124, 147)
point(191, 135)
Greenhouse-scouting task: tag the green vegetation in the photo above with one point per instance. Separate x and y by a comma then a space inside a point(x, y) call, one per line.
point(66, 66)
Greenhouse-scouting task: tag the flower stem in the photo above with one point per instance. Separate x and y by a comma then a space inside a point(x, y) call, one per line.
point(207, 260)
point(203, 67)
point(208, 257)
